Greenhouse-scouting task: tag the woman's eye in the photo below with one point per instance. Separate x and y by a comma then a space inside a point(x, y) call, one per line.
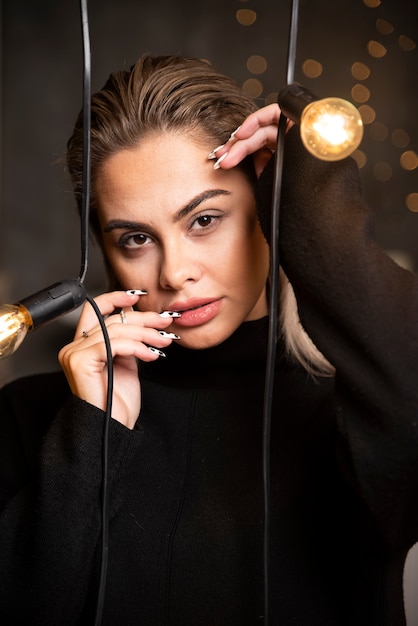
point(203, 221)
point(135, 240)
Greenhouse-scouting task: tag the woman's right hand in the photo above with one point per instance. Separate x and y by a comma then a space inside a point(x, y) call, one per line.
point(84, 360)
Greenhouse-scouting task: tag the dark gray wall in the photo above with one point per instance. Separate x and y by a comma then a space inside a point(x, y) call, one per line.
point(42, 89)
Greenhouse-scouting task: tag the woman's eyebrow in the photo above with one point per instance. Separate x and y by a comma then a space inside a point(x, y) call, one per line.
point(185, 210)
point(124, 225)
point(194, 202)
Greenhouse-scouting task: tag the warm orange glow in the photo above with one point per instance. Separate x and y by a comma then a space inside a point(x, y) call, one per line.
point(409, 160)
point(412, 202)
point(360, 71)
point(331, 128)
point(246, 17)
point(312, 68)
point(360, 93)
point(15, 322)
point(376, 49)
point(384, 27)
point(253, 87)
point(256, 64)
point(368, 115)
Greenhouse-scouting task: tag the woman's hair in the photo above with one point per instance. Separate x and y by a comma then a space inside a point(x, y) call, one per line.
point(157, 95)
point(172, 94)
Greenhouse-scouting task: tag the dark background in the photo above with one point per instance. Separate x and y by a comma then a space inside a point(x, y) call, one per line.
point(41, 92)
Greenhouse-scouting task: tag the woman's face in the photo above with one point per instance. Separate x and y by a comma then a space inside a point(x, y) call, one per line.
point(185, 233)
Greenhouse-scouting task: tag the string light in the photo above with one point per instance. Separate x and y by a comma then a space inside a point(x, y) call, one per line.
point(330, 128)
point(17, 320)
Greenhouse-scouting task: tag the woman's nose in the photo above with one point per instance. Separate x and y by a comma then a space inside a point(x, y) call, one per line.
point(177, 267)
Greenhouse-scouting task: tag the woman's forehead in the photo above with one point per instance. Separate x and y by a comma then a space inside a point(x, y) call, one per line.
point(161, 164)
point(167, 171)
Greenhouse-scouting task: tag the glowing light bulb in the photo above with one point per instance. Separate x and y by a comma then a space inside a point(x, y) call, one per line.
point(16, 320)
point(330, 128)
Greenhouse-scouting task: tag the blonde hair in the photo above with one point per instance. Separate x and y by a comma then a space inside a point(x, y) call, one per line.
point(172, 93)
point(297, 341)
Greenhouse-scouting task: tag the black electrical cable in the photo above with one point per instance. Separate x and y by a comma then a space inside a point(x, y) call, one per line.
point(271, 354)
point(274, 313)
point(293, 37)
point(85, 192)
point(85, 211)
point(105, 471)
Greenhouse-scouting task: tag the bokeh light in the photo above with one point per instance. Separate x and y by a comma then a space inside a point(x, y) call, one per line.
point(253, 87)
point(360, 71)
point(312, 68)
point(384, 27)
point(360, 158)
point(406, 43)
point(360, 93)
point(256, 64)
point(368, 114)
point(411, 202)
point(382, 171)
point(376, 49)
point(409, 160)
point(246, 17)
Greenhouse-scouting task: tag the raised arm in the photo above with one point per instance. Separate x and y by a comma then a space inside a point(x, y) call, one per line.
point(360, 309)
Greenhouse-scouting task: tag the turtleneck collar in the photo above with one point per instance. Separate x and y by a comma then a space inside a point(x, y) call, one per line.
point(244, 350)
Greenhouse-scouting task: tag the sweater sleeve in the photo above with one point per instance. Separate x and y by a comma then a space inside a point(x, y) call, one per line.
point(360, 309)
point(50, 518)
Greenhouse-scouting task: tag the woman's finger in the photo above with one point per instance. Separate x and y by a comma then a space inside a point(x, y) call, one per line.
point(266, 116)
point(106, 303)
point(136, 320)
point(257, 135)
point(263, 139)
point(92, 357)
point(258, 132)
point(148, 335)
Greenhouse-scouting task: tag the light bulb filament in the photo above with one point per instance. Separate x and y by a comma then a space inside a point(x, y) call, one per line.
point(331, 128)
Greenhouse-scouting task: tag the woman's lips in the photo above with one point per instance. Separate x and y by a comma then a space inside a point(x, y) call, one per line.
point(196, 312)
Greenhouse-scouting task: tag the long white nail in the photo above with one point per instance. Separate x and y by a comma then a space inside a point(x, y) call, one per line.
point(212, 155)
point(168, 335)
point(217, 165)
point(234, 133)
point(170, 314)
point(136, 292)
point(156, 351)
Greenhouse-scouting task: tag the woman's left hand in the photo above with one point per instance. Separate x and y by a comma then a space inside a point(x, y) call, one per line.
point(257, 135)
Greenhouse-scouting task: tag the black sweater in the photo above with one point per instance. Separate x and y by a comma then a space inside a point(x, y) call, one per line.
point(186, 483)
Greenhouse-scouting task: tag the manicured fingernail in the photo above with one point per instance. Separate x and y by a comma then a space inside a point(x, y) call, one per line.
point(170, 314)
point(217, 165)
point(212, 155)
point(168, 335)
point(234, 133)
point(136, 292)
point(156, 351)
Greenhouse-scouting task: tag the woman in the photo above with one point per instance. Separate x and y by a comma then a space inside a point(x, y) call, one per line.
point(187, 318)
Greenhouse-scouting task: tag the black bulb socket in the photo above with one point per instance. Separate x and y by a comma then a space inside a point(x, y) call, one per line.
point(52, 302)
